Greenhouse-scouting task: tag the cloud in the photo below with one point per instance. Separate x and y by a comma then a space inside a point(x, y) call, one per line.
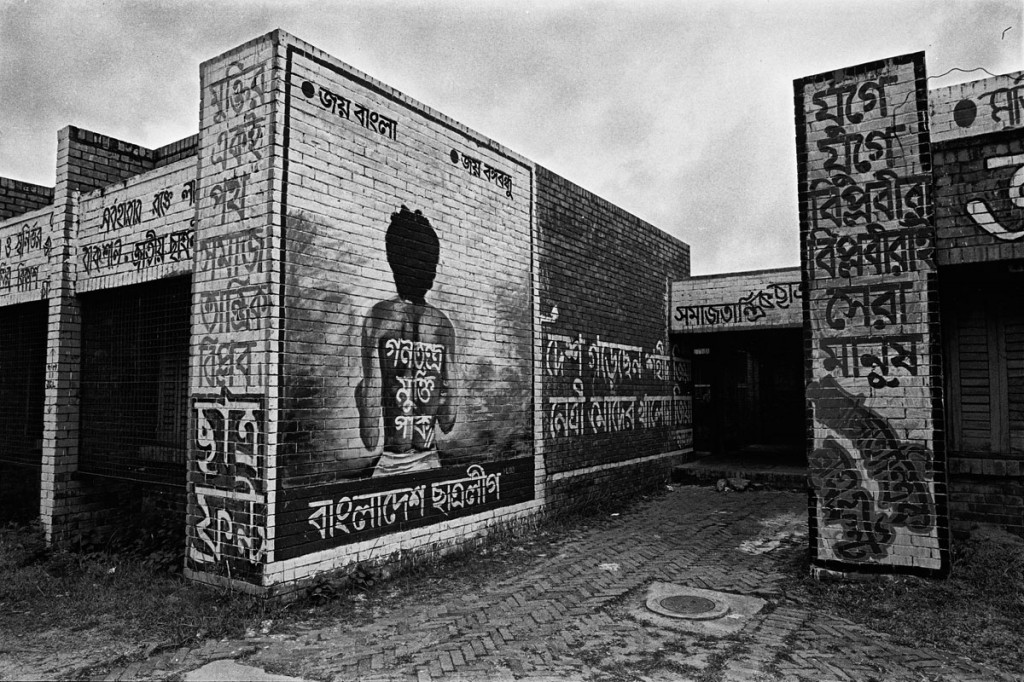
point(680, 112)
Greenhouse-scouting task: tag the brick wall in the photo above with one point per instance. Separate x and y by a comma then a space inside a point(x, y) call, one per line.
point(26, 266)
point(376, 293)
point(977, 107)
point(138, 230)
point(873, 365)
point(979, 175)
point(233, 374)
point(96, 160)
point(21, 197)
point(613, 387)
point(760, 299)
point(184, 148)
point(417, 350)
point(979, 208)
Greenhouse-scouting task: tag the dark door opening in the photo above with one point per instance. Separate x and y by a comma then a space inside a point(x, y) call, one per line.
point(133, 429)
point(748, 394)
point(22, 393)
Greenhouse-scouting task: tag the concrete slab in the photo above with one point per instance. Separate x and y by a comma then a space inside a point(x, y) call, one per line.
point(740, 609)
point(233, 671)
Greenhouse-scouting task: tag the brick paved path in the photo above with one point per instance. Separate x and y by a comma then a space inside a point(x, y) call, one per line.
point(572, 615)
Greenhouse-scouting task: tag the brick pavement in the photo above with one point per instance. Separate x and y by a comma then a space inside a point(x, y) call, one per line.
point(567, 616)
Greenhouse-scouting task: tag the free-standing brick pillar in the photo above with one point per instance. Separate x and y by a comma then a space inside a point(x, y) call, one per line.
point(873, 371)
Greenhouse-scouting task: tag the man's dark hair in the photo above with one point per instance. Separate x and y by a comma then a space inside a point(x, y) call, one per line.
point(413, 252)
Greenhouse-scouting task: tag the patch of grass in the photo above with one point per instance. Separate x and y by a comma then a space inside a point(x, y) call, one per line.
point(978, 612)
point(129, 597)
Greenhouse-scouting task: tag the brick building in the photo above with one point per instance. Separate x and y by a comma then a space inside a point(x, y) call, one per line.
point(334, 326)
point(911, 317)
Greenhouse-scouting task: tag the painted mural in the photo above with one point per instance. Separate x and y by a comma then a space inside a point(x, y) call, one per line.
point(868, 260)
point(407, 375)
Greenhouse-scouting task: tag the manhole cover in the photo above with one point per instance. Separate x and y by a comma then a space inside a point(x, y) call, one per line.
point(687, 605)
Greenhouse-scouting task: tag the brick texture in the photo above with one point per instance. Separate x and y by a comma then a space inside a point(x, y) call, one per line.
point(979, 213)
point(870, 307)
point(373, 364)
point(21, 197)
point(614, 388)
point(762, 299)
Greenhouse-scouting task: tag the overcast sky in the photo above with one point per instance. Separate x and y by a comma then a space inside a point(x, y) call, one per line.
point(680, 112)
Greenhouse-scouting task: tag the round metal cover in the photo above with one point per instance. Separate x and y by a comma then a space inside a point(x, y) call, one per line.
point(688, 605)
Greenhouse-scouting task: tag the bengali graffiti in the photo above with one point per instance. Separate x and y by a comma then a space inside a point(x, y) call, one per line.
point(354, 513)
point(348, 110)
point(230, 195)
point(856, 152)
point(843, 103)
point(239, 307)
point(747, 309)
point(240, 142)
point(188, 192)
point(241, 90)
point(877, 305)
point(476, 488)
point(27, 277)
point(230, 437)
point(900, 471)
point(150, 251)
point(230, 526)
point(229, 441)
point(580, 415)
point(477, 168)
point(181, 245)
point(1007, 101)
point(233, 255)
point(374, 511)
point(221, 362)
point(162, 202)
point(125, 214)
point(25, 240)
point(849, 354)
point(841, 201)
point(876, 252)
point(613, 362)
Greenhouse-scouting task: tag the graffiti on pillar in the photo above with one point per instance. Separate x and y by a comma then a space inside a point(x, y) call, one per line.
point(869, 258)
point(897, 470)
point(230, 499)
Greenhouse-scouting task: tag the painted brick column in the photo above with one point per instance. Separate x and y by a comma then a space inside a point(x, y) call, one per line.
point(877, 463)
point(235, 320)
point(63, 357)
